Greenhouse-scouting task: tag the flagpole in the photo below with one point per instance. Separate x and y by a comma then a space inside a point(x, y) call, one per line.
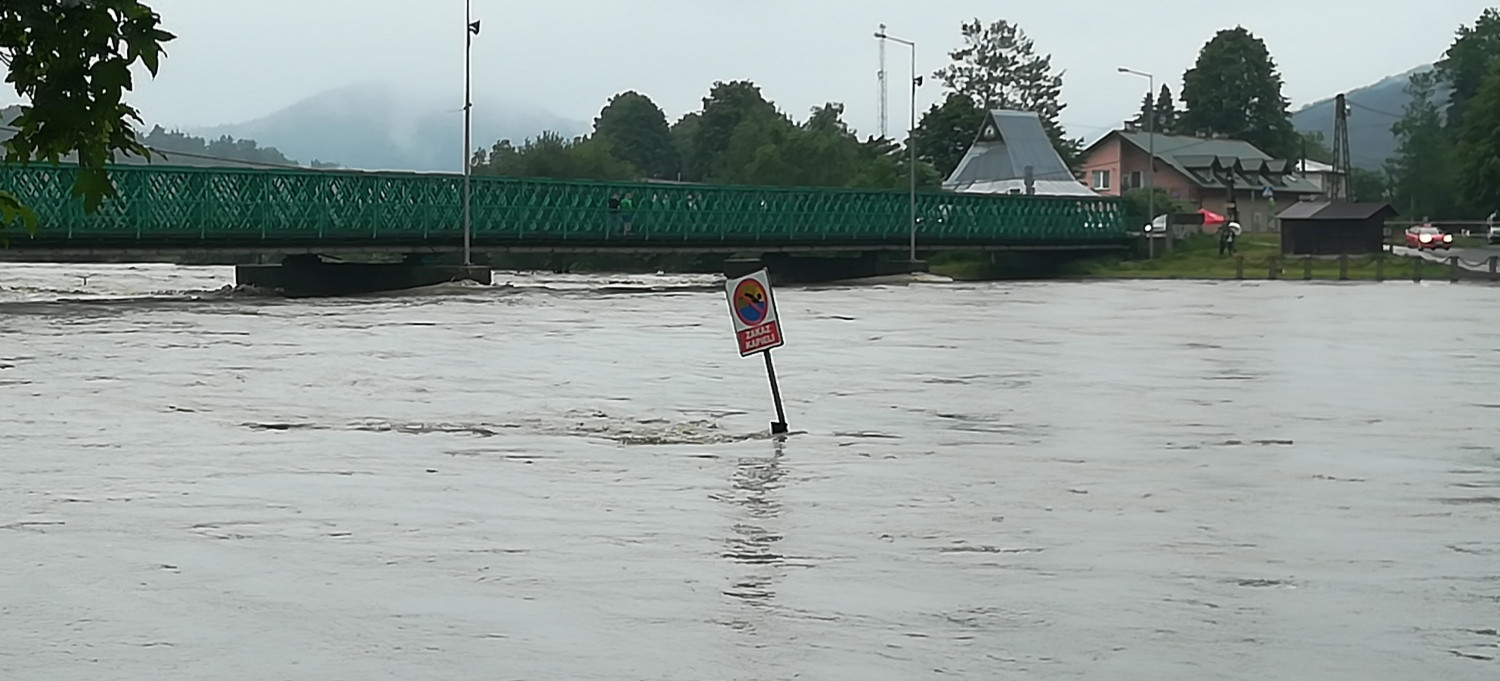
point(468, 120)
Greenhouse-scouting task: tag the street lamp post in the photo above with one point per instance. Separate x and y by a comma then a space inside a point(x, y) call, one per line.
point(1151, 149)
point(911, 147)
point(471, 29)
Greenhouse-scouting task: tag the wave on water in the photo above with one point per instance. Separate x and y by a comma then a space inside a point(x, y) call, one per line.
point(590, 424)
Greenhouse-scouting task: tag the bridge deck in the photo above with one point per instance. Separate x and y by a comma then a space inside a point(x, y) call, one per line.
point(286, 210)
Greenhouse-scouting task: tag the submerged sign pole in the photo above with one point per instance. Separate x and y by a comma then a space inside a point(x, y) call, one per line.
point(779, 426)
point(753, 311)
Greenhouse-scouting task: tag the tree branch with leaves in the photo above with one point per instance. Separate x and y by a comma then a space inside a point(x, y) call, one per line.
point(71, 60)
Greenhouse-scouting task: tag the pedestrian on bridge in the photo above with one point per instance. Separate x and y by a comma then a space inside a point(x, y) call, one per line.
point(615, 222)
point(627, 209)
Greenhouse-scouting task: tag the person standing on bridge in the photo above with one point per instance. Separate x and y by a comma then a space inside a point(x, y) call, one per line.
point(627, 207)
point(615, 223)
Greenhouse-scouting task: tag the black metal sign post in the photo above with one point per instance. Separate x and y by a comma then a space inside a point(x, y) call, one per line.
point(778, 427)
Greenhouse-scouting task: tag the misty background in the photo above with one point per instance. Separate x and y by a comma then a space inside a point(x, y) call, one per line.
point(378, 84)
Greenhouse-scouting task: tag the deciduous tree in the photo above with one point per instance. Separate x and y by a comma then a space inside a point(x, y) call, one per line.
point(553, 156)
point(637, 131)
point(1235, 90)
point(725, 107)
point(71, 60)
point(947, 131)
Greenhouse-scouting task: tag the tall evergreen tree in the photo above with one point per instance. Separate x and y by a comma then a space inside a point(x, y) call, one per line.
point(636, 130)
point(1423, 167)
point(998, 68)
point(1235, 90)
point(1468, 60)
point(1147, 104)
point(1164, 108)
point(1479, 147)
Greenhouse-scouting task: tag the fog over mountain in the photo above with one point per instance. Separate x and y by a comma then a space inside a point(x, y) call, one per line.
point(1374, 109)
point(378, 127)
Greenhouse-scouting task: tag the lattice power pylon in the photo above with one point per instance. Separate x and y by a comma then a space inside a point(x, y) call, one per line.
point(1342, 167)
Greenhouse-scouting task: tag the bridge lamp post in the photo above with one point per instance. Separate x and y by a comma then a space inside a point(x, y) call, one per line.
point(911, 147)
point(471, 29)
point(1151, 149)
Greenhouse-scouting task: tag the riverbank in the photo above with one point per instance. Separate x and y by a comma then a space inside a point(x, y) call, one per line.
point(1258, 257)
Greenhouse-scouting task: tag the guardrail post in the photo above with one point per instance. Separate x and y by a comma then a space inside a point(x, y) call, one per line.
point(1343, 267)
point(1416, 269)
point(1271, 269)
point(1307, 264)
point(1380, 268)
point(1453, 269)
point(1494, 268)
point(1239, 267)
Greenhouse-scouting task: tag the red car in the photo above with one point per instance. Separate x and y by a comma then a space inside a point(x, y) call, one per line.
point(1427, 236)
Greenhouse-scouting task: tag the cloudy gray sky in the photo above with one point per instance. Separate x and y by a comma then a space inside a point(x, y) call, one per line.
point(240, 59)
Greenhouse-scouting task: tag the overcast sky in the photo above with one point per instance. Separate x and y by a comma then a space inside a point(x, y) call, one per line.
point(236, 60)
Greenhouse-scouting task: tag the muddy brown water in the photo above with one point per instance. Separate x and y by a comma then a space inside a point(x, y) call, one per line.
point(568, 478)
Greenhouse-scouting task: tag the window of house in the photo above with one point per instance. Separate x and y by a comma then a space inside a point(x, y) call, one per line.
point(1101, 180)
point(1135, 180)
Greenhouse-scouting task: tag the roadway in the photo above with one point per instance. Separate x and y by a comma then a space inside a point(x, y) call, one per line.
point(1474, 259)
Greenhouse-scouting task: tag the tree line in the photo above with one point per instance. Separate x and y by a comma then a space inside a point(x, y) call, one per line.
point(1448, 159)
point(741, 137)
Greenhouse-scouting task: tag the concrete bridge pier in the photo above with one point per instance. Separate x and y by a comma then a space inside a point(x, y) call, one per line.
point(309, 276)
point(786, 268)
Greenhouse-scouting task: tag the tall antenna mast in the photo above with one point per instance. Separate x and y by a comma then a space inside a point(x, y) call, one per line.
point(884, 92)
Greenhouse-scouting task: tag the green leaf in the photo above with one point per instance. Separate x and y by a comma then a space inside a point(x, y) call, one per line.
point(72, 63)
point(12, 209)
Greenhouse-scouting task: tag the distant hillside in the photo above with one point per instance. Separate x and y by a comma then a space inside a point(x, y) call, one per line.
point(179, 149)
point(1373, 110)
point(375, 127)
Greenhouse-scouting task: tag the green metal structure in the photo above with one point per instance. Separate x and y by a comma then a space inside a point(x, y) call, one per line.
point(204, 208)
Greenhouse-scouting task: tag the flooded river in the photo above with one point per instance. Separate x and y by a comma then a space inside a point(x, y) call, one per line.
point(569, 478)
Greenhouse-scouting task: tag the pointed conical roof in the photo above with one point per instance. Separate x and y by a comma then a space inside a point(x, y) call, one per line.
point(1008, 143)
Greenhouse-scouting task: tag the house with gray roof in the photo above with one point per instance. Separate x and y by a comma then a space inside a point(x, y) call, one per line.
point(1013, 155)
point(1227, 176)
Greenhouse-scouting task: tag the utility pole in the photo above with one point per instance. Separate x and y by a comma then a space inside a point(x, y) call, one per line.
point(1150, 143)
point(1342, 166)
point(911, 147)
point(884, 92)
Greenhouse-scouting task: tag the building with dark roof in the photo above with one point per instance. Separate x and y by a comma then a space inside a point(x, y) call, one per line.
point(1226, 176)
point(1334, 228)
point(1011, 147)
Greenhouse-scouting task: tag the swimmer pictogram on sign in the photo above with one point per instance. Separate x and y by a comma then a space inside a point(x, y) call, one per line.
point(753, 310)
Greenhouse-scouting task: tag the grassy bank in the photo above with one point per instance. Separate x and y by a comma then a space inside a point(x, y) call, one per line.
point(1198, 258)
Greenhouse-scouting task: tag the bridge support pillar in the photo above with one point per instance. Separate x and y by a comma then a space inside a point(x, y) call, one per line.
point(786, 268)
point(309, 276)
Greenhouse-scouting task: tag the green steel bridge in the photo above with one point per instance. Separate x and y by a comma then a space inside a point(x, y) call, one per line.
point(307, 211)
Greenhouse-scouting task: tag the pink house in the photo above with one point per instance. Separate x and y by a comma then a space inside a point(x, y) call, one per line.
point(1226, 176)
